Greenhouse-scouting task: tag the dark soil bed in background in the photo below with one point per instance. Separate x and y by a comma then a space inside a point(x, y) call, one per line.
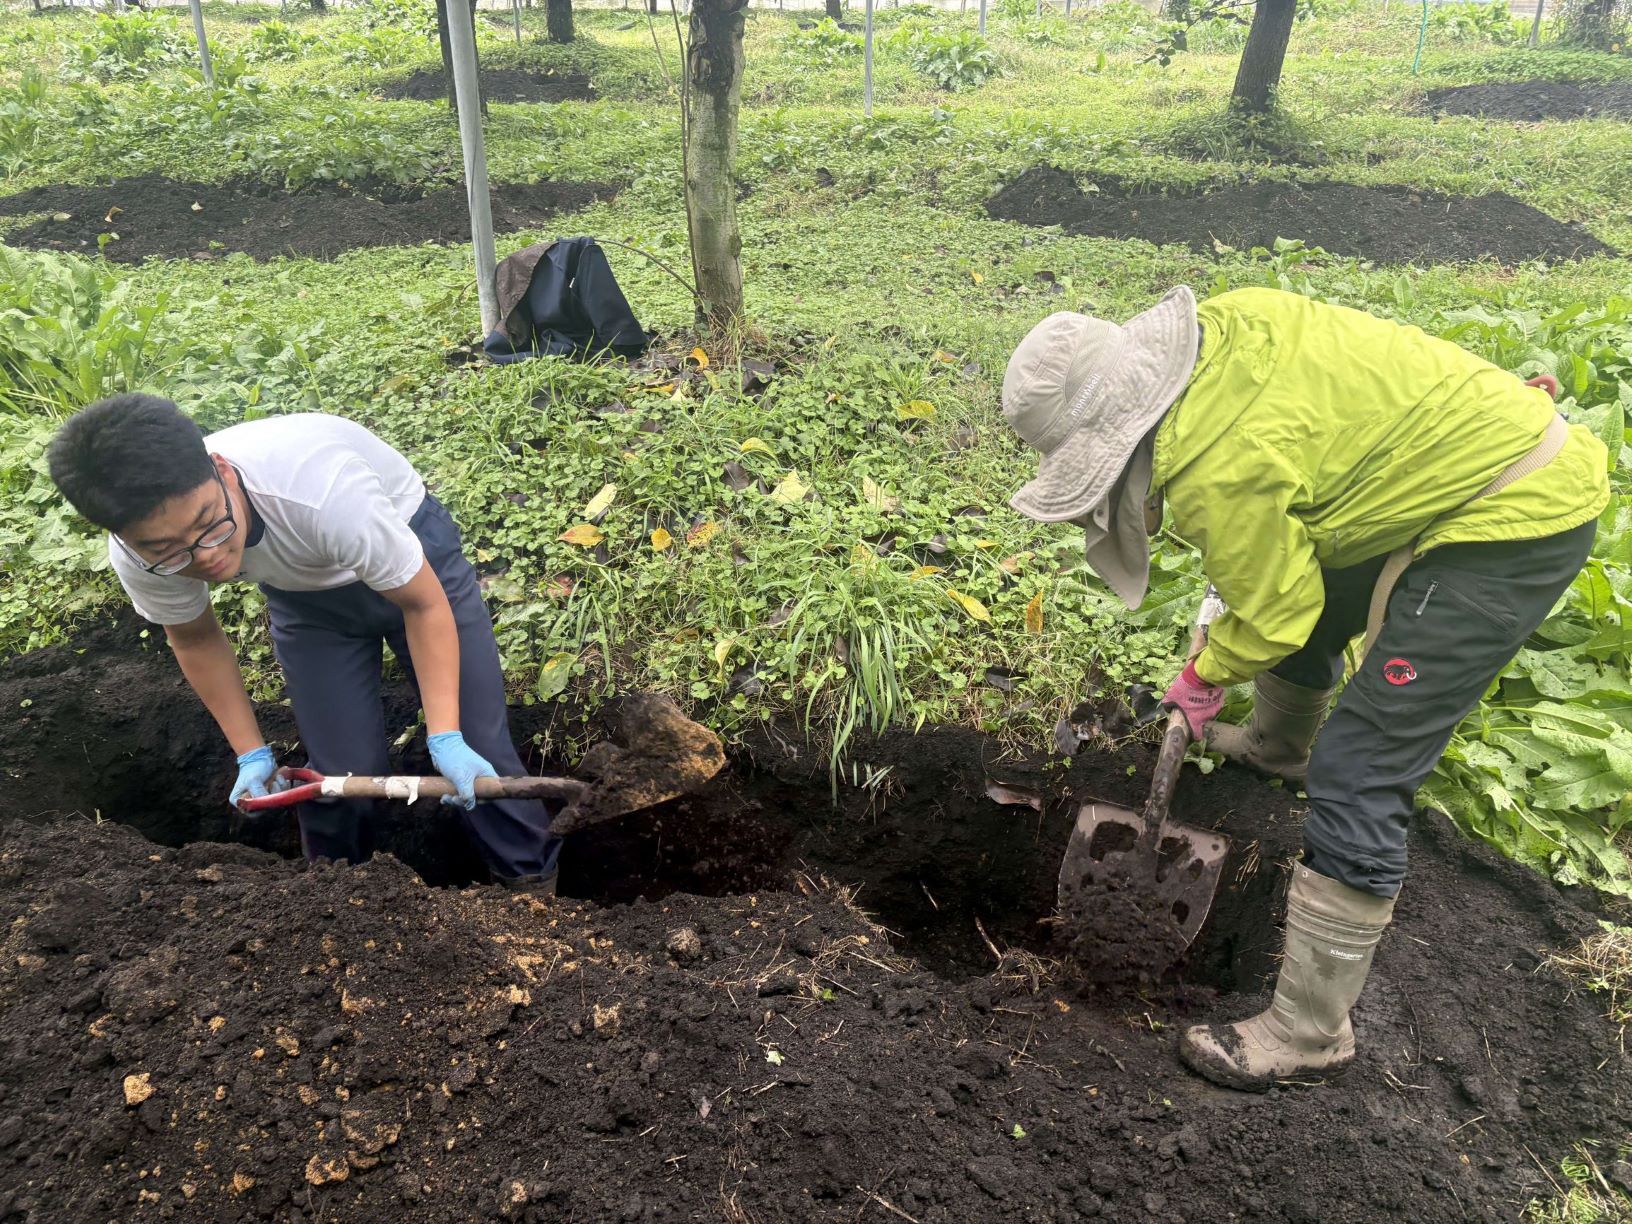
point(166, 218)
point(1387, 224)
point(498, 85)
point(1533, 101)
point(225, 1033)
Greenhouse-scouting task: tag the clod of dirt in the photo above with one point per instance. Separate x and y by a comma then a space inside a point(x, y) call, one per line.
point(498, 85)
point(1388, 224)
point(1118, 930)
point(155, 216)
point(684, 945)
point(1534, 101)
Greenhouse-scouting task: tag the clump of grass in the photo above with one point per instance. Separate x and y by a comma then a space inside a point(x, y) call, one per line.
point(1603, 963)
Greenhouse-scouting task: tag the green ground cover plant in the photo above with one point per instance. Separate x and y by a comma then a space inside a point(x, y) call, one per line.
point(835, 547)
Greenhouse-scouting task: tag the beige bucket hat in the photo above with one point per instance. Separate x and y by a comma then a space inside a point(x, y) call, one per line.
point(1086, 392)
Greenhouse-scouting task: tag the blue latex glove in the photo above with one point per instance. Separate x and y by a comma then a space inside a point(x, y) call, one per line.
point(255, 770)
point(456, 761)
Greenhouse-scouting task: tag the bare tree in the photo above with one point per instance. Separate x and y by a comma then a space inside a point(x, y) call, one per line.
point(558, 20)
point(447, 51)
point(1599, 24)
point(835, 10)
point(713, 97)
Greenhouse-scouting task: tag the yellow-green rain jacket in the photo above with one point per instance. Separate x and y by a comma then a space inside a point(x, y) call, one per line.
point(1315, 436)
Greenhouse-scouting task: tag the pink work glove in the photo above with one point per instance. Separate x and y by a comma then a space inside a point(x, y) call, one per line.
point(1199, 701)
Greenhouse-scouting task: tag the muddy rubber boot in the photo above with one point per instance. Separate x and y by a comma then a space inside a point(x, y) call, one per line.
point(1277, 740)
point(535, 885)
point(1331, 932)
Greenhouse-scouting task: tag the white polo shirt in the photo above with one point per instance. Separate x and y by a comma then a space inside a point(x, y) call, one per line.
point(334, 503)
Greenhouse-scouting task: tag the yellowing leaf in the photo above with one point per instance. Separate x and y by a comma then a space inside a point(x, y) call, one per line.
point(601, 502)
point(553, 676)
point(944, 356)
point(662, 541)
point(661, 388)
point(971, 605)
point(1011, 565)
point(585, 535)
point(877, 498)
point(923, 571)
point(701, 534)
point(977, 278)
point(790, 489)
point(1034, 614)
point(722, 650)
point(700, 357)
point(916, 410)
point(750, 446)
point(985, 543)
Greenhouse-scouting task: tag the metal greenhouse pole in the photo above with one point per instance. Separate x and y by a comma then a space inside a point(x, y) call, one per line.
point(467, 93)
point(867, 63)
point(203, 42)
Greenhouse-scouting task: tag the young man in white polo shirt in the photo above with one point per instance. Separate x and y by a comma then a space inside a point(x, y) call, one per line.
point(351, 552)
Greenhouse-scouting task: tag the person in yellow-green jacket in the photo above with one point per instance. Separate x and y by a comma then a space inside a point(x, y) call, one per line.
point(1299, 446)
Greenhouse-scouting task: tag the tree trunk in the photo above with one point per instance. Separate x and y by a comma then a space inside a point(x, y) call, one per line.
point(1260, 72)
point(1176, 10)
point(558, 20)
point(1589, 23)
point(320, 6)
point(447, 52)
point(713, 98)
point(835, 10)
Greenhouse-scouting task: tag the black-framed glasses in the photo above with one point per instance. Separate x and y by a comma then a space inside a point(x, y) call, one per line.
point(213, 536)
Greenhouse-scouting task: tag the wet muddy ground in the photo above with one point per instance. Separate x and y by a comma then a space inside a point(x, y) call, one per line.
point(1387, 224)
point(157, 217)
point(712, 1026)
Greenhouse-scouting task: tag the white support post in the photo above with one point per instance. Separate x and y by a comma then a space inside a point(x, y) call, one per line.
point(867, 62)
point(983, 16)
point(516, 8)
point(203, 42)
point(467, 92)
point(1535, 27)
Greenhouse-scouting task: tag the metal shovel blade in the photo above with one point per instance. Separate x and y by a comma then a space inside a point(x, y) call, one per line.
point(1180, 869)
point(655, 754)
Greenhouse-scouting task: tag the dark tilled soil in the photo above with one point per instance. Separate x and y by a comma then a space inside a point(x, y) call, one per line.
point(1387, 224)
point(1533, 101)
point(161, 217)
point(213, 1032)
point(498, 85)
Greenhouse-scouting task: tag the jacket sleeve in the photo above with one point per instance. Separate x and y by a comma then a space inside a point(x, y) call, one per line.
point(1257, 552)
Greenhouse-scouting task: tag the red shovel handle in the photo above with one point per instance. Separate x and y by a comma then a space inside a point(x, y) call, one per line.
point(304, 784)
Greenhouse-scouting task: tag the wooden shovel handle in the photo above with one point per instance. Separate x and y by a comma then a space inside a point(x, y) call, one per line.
point(435, 787)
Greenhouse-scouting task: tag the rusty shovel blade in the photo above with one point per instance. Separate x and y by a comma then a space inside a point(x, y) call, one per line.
point(655, 754)
point(1181, 867)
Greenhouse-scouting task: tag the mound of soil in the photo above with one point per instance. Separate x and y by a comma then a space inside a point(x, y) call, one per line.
point(214, 1032)
point(1533, 101)
point(155, 216)
point(1388, 224)
point(498, 85)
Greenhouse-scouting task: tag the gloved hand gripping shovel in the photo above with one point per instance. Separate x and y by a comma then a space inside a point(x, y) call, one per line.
point(656, 753)
point(1178, 865)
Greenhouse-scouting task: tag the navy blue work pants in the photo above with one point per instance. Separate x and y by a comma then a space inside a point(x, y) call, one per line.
point(329, 644)
point(1457, 616)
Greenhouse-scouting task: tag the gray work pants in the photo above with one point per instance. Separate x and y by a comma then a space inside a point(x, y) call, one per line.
point(1456, 618)
point(329, 644)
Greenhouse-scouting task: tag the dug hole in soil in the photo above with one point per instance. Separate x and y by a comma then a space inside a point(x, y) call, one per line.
point(1387, 224)
point(1534, 101)
point(215, 1031)
point(498, 85)
point(157, 217)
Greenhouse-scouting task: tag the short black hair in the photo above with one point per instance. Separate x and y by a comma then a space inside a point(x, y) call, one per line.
point(123, 457)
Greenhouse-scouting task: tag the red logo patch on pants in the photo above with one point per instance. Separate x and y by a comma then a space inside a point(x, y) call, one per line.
point(1399, 671)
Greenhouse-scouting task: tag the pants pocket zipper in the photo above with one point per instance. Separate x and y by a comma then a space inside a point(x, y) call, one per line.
point(1427, 595)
